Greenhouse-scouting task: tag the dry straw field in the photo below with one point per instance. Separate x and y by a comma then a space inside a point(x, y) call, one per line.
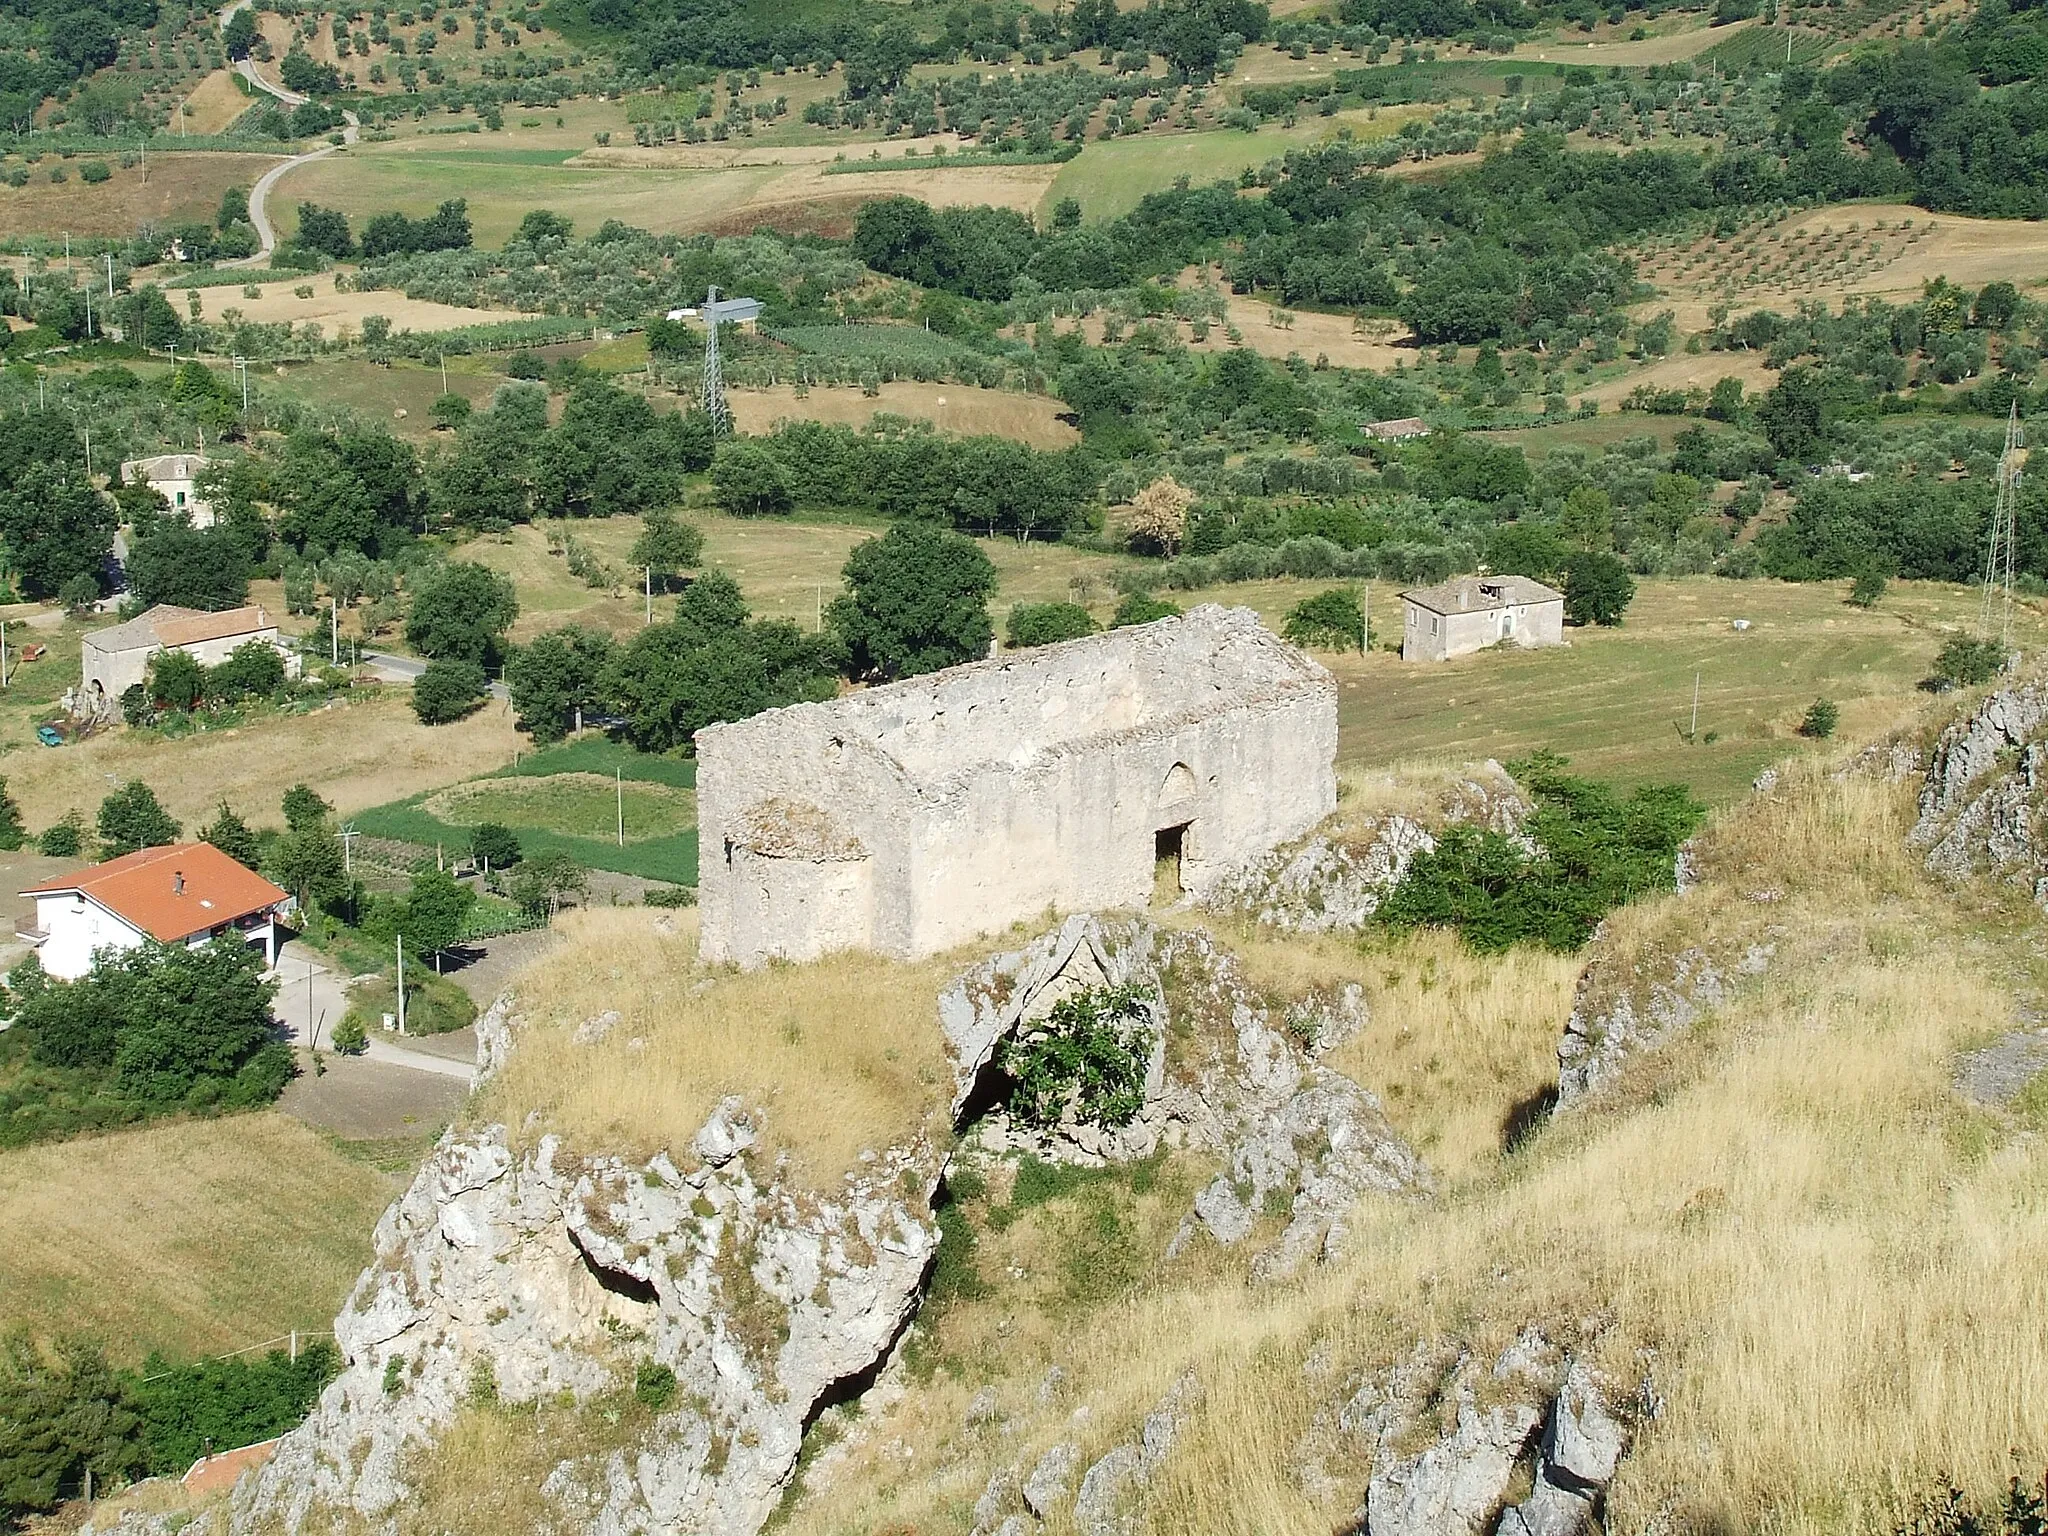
point(194, 1237)
point(360, 753)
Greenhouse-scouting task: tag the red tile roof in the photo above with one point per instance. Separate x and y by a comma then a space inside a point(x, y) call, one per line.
point(219, 1473)
point(143, 889)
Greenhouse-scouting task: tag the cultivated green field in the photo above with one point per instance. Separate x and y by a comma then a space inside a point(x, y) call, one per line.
point(564, 799)
point(580, 805)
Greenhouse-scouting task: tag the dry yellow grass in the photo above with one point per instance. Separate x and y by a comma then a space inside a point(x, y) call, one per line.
point(215, 102)
point(361, 753)
point(958, 408)
point(1458, 1046)
point(335, 312)
point(193, 1238)
point(1831, 1268)
point(844, 1055)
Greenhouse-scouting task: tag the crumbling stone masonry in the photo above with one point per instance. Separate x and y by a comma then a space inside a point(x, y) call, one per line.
point(909, 818)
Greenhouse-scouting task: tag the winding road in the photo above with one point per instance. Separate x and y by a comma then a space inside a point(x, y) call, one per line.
point(259, 195)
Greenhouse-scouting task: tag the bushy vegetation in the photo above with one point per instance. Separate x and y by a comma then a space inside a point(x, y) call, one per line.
point(1594, 850)
point(1085, 1061)
point(152, 1031)
point(64, 1413)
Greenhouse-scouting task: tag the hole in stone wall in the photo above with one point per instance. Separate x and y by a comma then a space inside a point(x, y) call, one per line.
point(1167, 846)
point(618, 1281)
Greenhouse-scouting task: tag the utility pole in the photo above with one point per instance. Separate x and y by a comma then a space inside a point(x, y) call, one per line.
point(333, 633)
point(3, 653)
point(444, 373)
point(67, 253)
point(401, 983)
point(619, 789)
point(1693, 734)
point(347, 835)
point(650, 593)
point(110, 275)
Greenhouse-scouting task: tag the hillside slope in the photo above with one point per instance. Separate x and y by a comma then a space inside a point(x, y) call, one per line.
point(1766, 1267)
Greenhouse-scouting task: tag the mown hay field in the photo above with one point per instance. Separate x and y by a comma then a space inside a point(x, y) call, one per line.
point(193, 1238)
point(1619, 701)
point(361, 752)
point(183, 188)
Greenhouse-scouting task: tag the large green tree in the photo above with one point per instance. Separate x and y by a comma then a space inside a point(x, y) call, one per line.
point(555, 676)
point(132, 818)
point(169, 561)
point(916, 600)
point(55, 527)
point(461, 611)
point(433, 913)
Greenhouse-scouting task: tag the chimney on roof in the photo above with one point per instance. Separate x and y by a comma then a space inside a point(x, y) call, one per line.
point(177, 882)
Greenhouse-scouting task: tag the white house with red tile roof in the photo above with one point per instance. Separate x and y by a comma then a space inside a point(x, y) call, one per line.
point(181, 893)
point(115, 659)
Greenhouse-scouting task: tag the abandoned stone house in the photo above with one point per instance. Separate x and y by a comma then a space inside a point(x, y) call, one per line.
point(1469, 613)
point(911, 817)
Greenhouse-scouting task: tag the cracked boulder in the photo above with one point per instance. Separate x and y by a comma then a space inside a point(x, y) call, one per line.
point(1297, 1139)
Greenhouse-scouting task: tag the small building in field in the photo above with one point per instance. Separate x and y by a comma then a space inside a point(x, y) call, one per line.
point(114, 660)
point(181, 893)
point(1469, 613)
point(175, 477)
point(1079, 776)
point(1399, 430)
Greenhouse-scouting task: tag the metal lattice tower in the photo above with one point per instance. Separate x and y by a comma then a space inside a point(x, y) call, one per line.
point(714, 378)
point(2000, 557)
point(717, 312)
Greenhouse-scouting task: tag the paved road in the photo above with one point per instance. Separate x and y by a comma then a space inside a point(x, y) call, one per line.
point(406, 669)
point(310, 998)
point(259, 195)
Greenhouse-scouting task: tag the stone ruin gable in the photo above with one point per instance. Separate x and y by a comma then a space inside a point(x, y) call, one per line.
point(911, 817)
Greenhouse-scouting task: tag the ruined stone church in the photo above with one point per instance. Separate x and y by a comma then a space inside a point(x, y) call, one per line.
point(911, 817)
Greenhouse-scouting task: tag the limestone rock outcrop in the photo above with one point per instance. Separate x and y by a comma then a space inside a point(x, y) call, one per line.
point(1291, 1132)
point(1445, 1434)
point(1984, 797)
point(522, 1274)
point(1622, 1010)
point(1334, 879)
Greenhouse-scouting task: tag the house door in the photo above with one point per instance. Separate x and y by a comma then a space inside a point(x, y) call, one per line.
point(1507, 624)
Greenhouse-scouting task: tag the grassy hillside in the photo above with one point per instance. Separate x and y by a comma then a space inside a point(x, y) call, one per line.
point(192, 1238)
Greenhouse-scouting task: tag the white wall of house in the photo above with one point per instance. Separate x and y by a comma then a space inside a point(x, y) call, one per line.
point(77, 928)
point(1431, 636)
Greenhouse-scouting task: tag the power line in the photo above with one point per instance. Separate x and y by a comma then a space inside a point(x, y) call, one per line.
point(2000, 558)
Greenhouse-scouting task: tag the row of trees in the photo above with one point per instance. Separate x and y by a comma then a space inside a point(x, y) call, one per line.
point(65, 1412)
point(915, 600)
point(327, 231)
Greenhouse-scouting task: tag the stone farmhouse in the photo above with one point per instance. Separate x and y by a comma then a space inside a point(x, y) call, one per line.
point(175, 477)
point(911, 817)
point(1469, 613)
point(181, 893)
point(115, 659)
